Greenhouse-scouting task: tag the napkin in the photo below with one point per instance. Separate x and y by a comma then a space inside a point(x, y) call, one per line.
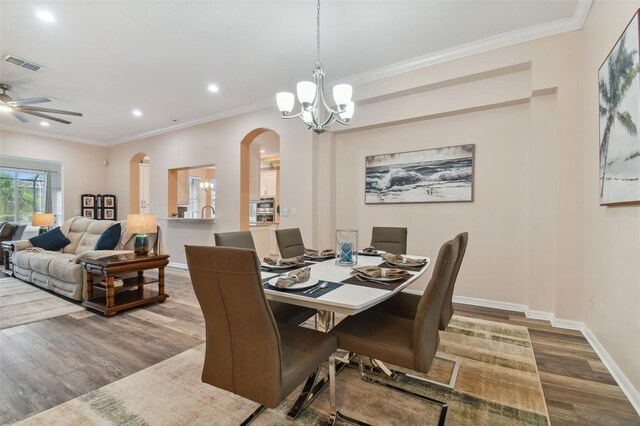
point(293, 277)
point(371, 250)
point(396, 258)
point(323, 253)
point(292, 261)
point(377, 272)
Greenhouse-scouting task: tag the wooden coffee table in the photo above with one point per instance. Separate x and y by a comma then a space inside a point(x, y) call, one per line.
point(113, 265)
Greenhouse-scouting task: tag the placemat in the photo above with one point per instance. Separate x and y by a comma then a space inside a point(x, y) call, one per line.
point(320, 292)
point(392, 285)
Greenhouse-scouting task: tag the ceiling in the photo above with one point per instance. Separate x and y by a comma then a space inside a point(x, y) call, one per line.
point(106, 58)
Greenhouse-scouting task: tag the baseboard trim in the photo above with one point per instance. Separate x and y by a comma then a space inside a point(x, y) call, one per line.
point(632, 394)
point(178, 265)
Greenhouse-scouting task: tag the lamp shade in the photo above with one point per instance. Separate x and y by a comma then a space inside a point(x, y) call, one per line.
point(142, 223)
point(306, 93)
point(42, 219)
point(285, 102)
point(342, 94)
point(348, 112)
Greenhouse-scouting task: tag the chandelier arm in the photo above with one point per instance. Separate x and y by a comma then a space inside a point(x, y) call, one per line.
point(341, 121)
point(329, 121)
point(331, 110)
point(287, 117)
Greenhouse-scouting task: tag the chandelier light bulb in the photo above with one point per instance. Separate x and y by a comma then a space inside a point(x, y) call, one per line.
point(342, 95)
point(307, 117)
point(306, 93)
point(285, 102)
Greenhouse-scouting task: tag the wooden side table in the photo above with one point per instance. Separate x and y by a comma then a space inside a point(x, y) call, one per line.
point(123, 263)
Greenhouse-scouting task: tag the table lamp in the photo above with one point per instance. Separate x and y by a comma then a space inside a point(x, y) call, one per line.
point(43, 220)
point(141, 224)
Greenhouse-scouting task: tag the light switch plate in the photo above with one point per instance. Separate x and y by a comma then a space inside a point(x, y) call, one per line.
point(293, 212)
point(285, 212)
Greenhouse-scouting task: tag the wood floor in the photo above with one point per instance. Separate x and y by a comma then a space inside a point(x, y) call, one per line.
point(46, 363)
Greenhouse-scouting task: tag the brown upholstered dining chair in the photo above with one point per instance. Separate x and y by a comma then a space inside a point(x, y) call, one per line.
point(392, 240)
point(282, 312)
point(247, 351)
point(409, 343)
point(290, 242)
point(405, 304)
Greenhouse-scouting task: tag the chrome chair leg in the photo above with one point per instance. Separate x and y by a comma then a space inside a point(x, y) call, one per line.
point(378, 367)
point(443, 405)
point(253, 415)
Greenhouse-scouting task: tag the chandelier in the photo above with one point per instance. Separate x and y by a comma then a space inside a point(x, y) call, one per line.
point(314, 110)
point(206, 184)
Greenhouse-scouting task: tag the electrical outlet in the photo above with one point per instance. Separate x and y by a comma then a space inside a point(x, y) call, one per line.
point(293, 212)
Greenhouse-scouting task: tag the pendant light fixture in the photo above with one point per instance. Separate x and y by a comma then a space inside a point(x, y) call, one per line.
point(314, 110)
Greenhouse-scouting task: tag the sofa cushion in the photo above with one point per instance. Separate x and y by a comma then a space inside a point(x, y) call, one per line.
point(109, 238)
point(91, 235)
point(22, 258)
point(76, 232)
point(53, 240)
point(65, 270)
point(40, 262)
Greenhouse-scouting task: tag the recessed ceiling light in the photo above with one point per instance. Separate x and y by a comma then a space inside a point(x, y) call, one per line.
point(262, 151)
point(44, 124)
point(45, 15)
point(136, 112)
point(213, 88)
point(5, 108)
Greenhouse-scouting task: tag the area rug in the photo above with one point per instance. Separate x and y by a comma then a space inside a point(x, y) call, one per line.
point(498, 384)
point(22, 303)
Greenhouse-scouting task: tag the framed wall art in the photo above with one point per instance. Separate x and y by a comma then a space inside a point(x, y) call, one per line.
point(89, 213)
point(428, 176)
point(619, 96)
point(100, 206)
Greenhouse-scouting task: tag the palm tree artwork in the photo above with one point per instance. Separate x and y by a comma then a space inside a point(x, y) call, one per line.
point(615, 95)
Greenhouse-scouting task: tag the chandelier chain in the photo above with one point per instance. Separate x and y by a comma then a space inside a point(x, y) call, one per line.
point(318, 37)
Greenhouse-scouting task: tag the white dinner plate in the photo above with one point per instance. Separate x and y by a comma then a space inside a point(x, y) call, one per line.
point(377, 253)
point(383, 279)
point(296, 286)
point(266, 265)
point(410, 265)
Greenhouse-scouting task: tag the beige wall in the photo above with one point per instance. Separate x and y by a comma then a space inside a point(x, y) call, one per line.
point(219, 143)
point(82, 169)
point(611, 234)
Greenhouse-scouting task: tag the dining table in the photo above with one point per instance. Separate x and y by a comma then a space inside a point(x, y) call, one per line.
point(337, 289)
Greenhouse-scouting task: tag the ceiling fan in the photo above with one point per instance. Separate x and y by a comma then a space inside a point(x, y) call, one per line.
point(19, 107)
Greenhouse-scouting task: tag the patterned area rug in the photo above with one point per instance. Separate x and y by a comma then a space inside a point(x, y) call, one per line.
point(498, 384)
point(22, 303)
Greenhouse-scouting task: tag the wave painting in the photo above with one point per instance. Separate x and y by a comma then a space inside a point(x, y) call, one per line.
point(427, 176)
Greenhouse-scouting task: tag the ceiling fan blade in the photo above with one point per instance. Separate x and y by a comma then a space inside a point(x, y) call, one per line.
point(29, 101)
point(51, 110)
point(48, 117)
point(20, 116)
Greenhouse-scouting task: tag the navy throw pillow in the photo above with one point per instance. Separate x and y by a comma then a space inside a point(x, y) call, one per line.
point(109, 238)
point(53, 240)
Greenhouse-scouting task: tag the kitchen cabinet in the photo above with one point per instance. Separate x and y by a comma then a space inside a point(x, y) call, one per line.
point(268, 184)
point(145, 188)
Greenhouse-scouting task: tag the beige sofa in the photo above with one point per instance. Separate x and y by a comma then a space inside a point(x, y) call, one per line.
point(60, 271)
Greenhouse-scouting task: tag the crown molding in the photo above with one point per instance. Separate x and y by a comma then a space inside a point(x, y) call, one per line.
point(225, 114)
point(573, 23)
point(25, 131)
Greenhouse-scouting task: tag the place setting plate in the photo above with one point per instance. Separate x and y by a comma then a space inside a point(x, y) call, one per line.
point(297, 286)
point(409, 265)
point(318, 257)
point(363, 277)
point(275, 267)
point(377, 253)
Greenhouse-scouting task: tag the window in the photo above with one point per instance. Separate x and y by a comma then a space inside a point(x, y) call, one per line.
point(22, 192)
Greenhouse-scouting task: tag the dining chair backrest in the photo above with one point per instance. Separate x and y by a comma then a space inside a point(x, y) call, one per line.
point(389, 239)
point(447, 308)
point(427, 320)
point(238, 239)
point(243, 343)
point(290, 242)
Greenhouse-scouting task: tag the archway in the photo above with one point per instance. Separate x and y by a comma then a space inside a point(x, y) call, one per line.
point(134, 182)
point(246, 172)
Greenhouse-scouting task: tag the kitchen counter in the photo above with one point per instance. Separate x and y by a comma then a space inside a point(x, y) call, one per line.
point(252, 225)
point(190, 219)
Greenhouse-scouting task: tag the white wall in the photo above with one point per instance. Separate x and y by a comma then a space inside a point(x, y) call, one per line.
point(82, 169)
point(611, 234)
